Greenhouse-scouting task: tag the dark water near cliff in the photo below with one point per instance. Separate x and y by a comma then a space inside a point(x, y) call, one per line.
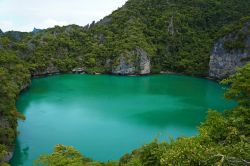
point(106, 116)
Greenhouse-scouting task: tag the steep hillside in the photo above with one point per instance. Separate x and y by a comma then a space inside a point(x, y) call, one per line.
point(171, 35)
point(195, 37)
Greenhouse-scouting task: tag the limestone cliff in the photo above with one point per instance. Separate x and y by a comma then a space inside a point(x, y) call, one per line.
point(51, 69)
point(230, 52)
point(134, 62)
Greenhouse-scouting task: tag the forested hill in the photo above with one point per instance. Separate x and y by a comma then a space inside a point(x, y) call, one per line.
point(142, 37)
point(172, 35)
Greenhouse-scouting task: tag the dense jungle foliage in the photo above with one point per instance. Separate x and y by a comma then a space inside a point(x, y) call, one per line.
point(224, 139)
point(177, 34)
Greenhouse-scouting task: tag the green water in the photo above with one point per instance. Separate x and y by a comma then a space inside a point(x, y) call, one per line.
point(106, 116)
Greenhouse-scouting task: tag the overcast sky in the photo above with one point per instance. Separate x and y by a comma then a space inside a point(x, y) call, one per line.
point(24, 15)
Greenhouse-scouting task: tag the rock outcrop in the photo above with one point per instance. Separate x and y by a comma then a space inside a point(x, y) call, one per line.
point(25, 86)
point(4, 123)
point(144, 62)
point(224, 61)
point(104, 21)
point(7, 157)
point(35, 30)
point(48, 71)
point(16, 35)
point(134, 62)
point(79, 70)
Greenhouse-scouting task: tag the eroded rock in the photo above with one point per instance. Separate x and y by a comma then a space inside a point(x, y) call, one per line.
point(78, 70)
point(7, 157)
point(223, 62)
point(134, 62)
point(48, 71)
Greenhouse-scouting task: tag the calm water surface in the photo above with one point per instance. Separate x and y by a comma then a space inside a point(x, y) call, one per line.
point(106, 116)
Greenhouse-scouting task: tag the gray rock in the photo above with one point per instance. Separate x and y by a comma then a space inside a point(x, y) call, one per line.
point(104, 21)
point(86, 27)
point(223, 63)
point(100, 37)
point(31, 45)
point(134, 62)
point(144, 62)
point(171, 29)
point(7, 157)
point(4, 123)
point(48, 71)
point(25, 86)
point(15, 35)
point(78, 70)
point(91, 25)
point(124, 67)
point(35, 30)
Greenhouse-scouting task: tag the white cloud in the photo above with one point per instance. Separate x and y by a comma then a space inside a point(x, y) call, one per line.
point(24, 15)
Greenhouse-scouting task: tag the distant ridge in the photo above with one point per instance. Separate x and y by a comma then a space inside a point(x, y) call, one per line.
point(35, 30)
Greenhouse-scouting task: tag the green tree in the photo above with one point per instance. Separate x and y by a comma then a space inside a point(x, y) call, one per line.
point(62, 155)
point(68, 156)
point(239, 86)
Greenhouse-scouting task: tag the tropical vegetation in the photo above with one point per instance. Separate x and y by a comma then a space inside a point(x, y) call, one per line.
point(177, 34)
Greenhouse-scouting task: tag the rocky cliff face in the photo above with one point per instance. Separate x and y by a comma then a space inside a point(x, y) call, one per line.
point(229, 53)
point(134, 62)
point(49, 70)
